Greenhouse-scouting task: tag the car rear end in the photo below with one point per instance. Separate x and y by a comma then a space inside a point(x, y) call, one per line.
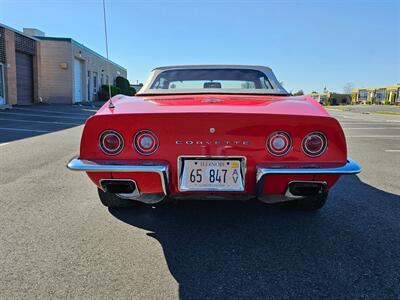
point(213, 132)
point(271, 157)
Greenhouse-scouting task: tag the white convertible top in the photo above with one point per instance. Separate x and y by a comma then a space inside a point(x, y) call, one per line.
point(276, 89)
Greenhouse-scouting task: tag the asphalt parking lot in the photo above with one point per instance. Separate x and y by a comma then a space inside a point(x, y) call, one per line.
point(28, 121)
point(58, 241)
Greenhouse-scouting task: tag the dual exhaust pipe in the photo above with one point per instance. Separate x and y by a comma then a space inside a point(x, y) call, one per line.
point(302, 189)
point(128, 189)
point(122, 187)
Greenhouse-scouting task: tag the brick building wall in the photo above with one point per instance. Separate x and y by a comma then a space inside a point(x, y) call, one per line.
point(10, 70)
point(55, 71)
point(13, 42)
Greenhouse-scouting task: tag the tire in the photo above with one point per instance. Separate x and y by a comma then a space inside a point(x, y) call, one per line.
point(112, 201)
point(311, 203)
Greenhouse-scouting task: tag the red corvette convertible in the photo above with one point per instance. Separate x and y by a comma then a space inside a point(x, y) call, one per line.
point(213, 132)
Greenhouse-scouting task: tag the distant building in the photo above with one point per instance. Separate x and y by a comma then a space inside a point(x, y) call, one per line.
point(137, 86)
point(330, 98)
point(71, 72)
point(35, 68)
point(389, 94)
point(19, 67)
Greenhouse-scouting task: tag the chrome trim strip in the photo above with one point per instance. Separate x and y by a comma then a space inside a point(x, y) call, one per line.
point(351, 167)
point(180, 159)
point(134, 166)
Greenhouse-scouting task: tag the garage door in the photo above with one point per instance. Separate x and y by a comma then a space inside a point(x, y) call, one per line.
point(24, 78)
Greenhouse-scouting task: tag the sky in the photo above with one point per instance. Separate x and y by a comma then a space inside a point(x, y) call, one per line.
point(309, 44)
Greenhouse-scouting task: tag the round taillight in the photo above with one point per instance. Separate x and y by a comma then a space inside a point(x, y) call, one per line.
point(279, 143)
point(145, 142)
point(314, 144)
point(111, 142)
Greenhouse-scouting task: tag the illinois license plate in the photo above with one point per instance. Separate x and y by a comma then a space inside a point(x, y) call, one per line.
point(212, 175)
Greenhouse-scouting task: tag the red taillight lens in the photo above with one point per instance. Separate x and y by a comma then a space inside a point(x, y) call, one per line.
point(111, 142)
point(279, 143)
point(145, 142)
point(314, 144)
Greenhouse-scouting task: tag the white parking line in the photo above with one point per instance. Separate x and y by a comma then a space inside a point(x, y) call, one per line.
point(47, 116)
point(41, 122)
point(373, 136)
point(392, 150)
point(365, 123)
point(362, 128)
point(50, 111)
point(20, 129)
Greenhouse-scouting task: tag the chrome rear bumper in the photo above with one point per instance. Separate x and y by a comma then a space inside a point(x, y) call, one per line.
point(136, 166)
point(161, 168)
point(350, 168)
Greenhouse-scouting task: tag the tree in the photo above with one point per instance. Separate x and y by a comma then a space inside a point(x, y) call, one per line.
point(348, 88)
point(103, 94)
point(299, 93)
point(124, 85)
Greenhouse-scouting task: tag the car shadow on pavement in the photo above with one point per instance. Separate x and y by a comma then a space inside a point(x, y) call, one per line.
point(349, 249)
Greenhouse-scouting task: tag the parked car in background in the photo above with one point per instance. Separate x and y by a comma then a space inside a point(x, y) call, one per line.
point(213, 132)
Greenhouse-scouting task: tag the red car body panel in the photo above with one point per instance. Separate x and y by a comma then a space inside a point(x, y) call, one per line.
point(242, 125)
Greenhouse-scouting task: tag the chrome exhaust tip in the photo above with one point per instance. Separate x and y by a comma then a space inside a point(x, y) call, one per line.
point(128, 189)
point(118, 186)
point(302, 189)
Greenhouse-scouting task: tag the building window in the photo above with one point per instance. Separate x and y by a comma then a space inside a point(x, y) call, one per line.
point(380, 95)
point(102, 79)
point(2, 85)
point(107, 79)
point(94, 83)
point(362, 95)
point(88, 86)
point(2, 46)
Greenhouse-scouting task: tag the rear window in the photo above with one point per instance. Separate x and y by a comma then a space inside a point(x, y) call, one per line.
point(181, 79)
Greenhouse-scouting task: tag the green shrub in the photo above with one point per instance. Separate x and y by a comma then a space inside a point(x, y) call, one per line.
point(124, 85)
point(299, 93)
point(133, 91)
point(103, 94)
point(387, 102)
point(369, 102)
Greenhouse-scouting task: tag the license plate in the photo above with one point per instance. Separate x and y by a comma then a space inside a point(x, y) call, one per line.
point(212, 175)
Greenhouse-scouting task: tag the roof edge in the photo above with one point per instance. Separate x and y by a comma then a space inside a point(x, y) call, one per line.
point(19, 32)
point(212, 66)
point(72, 41)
